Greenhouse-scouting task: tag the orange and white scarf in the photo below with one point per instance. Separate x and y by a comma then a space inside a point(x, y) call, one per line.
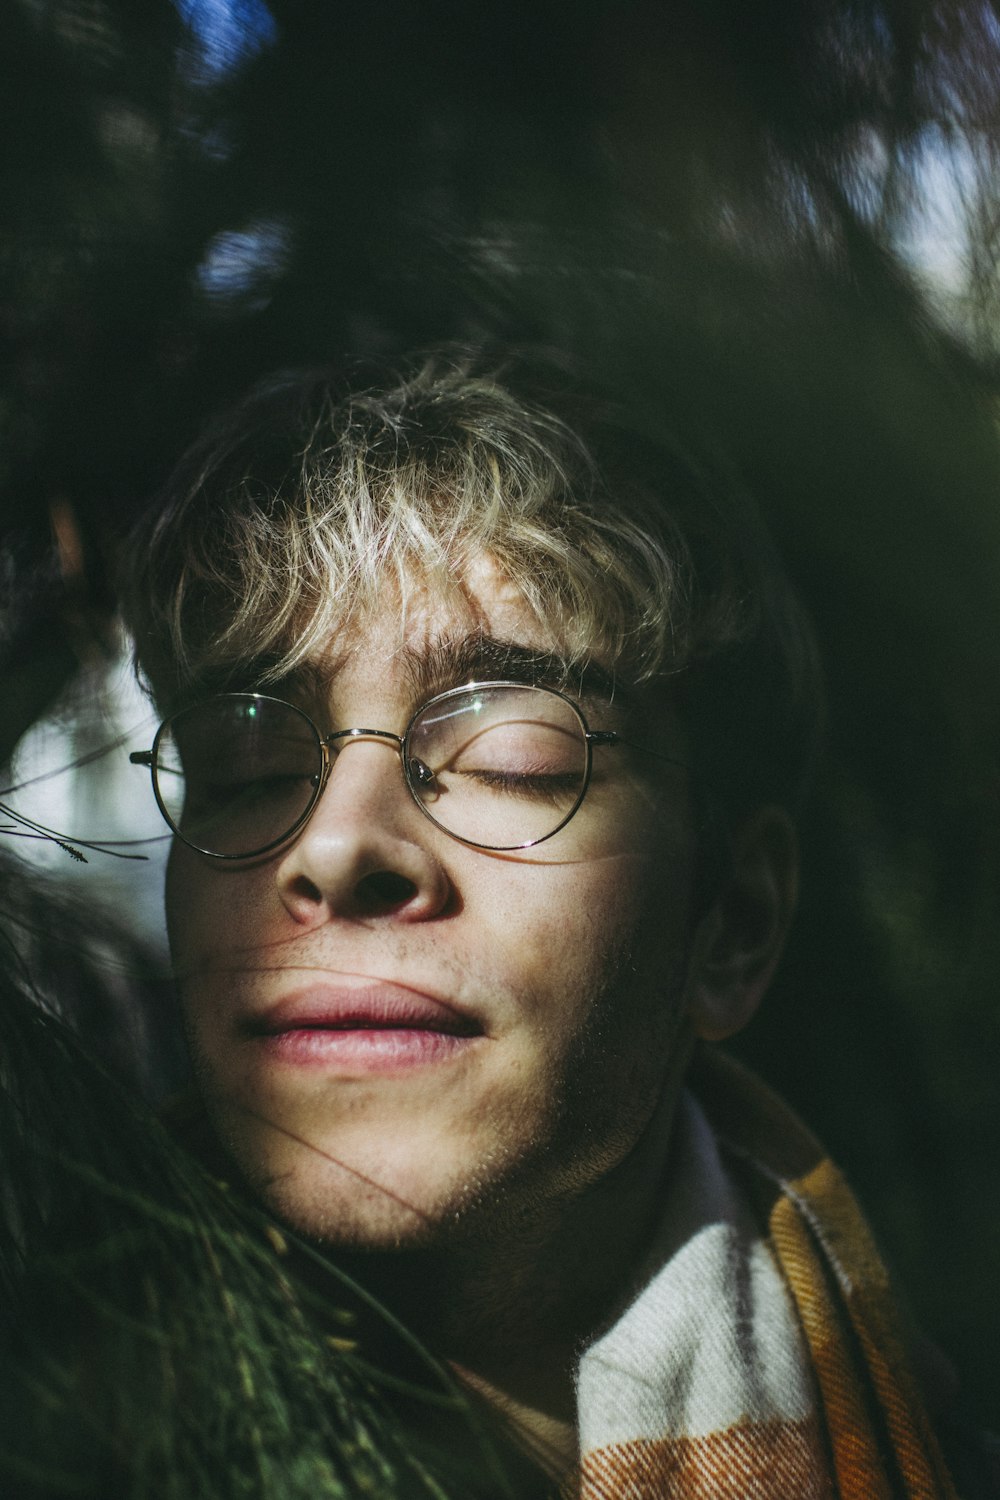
point(761, 1359)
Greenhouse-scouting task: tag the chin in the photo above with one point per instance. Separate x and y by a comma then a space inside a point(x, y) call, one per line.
point(367, 1220)
point(358, 1192)
point(370, 1199)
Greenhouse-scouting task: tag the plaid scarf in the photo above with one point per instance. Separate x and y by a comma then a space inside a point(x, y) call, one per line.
point(761, 1357)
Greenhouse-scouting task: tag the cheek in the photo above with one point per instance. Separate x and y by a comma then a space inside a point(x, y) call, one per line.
point(630, 877)
point(604, 974)
point(210, 909)
point(595, 950)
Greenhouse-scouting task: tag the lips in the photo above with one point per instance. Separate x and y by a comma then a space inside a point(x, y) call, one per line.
point(361, 1027)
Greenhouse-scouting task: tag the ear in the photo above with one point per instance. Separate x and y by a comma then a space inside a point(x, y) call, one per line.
point(738, 942)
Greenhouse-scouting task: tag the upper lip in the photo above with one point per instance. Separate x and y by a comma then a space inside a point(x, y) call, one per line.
point(368, 1005)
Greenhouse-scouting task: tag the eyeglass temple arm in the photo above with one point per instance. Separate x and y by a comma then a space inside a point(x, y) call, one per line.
point(141, 757)
point(611, 737)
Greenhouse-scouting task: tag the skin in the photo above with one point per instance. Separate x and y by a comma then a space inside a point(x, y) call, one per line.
point(522, 1171)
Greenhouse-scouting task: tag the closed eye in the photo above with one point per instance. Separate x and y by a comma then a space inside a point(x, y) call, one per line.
point(537, 785)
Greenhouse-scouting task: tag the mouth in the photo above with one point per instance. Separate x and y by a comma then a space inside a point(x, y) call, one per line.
point(362, 1027)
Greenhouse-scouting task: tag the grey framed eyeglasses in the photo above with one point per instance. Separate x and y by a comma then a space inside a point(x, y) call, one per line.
point(496, 765)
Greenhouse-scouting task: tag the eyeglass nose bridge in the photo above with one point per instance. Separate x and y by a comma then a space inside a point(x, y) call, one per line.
point(417, 773)
point(364, 734)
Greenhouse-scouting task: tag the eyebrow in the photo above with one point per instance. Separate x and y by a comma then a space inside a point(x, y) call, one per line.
point(478, 657)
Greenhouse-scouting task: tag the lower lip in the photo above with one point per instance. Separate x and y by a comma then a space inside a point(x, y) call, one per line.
point(383, 1049)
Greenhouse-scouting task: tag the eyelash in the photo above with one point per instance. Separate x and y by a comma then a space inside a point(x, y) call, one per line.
point(538, 785)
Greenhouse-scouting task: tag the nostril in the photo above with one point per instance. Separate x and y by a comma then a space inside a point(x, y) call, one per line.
point(384, 889)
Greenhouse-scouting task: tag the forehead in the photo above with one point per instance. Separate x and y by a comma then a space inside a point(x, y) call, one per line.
point(433, 637)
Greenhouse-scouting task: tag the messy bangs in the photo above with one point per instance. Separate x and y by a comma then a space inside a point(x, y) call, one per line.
point(297, 514)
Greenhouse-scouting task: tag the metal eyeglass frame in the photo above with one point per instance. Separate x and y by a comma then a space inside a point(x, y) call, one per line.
point(412, 777)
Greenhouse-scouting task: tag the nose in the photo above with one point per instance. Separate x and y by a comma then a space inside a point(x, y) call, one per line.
point(366, 851)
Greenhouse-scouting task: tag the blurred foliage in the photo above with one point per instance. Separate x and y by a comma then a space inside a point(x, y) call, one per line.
point(772, 225)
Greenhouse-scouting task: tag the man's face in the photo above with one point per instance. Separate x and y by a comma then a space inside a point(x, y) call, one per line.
point(403, 1040)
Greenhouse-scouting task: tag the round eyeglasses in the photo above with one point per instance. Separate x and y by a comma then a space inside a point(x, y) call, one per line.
point(497, 765)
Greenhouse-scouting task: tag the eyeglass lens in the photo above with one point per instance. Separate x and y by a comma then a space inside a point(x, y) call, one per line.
point(235, 776)
point(509, 763)
point(499, 765)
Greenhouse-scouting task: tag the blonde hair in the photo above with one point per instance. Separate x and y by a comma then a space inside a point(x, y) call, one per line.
point(291, 516)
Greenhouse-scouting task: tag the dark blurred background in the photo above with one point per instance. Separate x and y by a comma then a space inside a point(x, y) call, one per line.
point(777, 222)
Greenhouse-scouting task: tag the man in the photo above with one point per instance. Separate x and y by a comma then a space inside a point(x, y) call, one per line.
point(485, 723)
